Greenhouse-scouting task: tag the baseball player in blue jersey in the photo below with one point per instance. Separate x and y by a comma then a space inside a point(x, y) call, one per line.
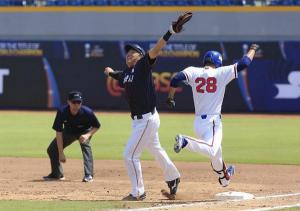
point(208, 85)
point(73, 121)
point(138, 83)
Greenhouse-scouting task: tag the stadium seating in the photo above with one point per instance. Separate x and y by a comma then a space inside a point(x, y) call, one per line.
point(148, 2)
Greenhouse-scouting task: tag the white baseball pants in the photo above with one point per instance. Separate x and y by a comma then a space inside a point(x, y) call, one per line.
point(145, 136)
point(209, 139)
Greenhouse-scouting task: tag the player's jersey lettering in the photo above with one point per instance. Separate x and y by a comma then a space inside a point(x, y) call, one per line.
point(128, 79)
point(209, 85)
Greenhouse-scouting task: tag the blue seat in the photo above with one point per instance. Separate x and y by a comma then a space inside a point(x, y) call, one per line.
point(297, 2)
point(87, 2)
point(154, 2)
point(224, 2)
point(197, 2)
point(287, 2)
point(127, 3)
point(61, 3)
point(115, 2)
point(141, 2)
point(4, 3)
point(74, 2)
point(51, 3)
point(101, 2)
point(167, 3)
point(182, 3)
point(238, 2)
point(15, 2)
point(274, 3)
point(210, 3)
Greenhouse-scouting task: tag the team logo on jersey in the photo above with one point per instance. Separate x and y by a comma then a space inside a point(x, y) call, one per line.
point(291, 90)
point(128, 79)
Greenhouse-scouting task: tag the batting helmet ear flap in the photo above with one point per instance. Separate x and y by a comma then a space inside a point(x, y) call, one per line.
point(213, 57)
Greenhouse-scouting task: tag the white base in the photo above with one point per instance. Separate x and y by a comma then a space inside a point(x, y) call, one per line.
point(232, 195)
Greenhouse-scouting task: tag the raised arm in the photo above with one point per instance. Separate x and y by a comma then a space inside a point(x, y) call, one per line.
point(247, 59)
point(176, 27)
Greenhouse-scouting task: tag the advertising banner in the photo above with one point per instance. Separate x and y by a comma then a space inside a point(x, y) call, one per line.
point(39, 74)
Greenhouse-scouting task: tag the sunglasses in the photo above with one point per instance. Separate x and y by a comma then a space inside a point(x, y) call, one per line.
point(76, 102)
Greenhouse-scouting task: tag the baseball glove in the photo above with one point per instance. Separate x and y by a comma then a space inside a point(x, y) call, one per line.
point(254, 47)
point(170, 102)
point(182, 19)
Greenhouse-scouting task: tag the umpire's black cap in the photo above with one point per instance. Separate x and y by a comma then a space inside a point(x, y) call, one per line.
point(75, 96)
point(135, 47)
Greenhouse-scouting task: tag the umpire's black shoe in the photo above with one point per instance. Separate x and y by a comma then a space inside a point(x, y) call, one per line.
point(173, 185)
point(130, 197)
point(52, 177)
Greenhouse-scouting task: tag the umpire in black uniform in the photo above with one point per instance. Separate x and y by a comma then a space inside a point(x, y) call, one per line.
point(140, 94)
point(73, 121)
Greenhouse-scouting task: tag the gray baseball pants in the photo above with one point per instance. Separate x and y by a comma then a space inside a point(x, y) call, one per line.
point(56, 167)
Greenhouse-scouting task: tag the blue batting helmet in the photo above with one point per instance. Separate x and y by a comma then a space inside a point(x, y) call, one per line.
point(213, 57)
point(135, 47)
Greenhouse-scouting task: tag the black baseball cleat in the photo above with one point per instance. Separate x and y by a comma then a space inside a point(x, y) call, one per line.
point(130, 197)
point(173, 185)
point(52, 177)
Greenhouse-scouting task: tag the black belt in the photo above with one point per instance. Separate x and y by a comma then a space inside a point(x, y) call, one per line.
point(140, 116)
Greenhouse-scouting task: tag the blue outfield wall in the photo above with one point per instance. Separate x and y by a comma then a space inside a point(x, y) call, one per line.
point(39, 74)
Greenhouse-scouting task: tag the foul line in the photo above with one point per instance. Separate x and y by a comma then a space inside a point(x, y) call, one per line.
point(275, 208)
point(233, 200)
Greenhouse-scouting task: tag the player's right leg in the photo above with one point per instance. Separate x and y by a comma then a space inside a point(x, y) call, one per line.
point(56, 168)
point(209, 132)
point(135, 146)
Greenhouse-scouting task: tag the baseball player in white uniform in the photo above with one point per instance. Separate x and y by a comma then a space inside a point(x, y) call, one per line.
point(208, 84)
point(139, 87)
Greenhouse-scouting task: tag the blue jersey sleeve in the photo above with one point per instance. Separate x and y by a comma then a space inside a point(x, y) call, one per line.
point(177, 79)
point(93, 120)
point(58, 122)
point(243, 63)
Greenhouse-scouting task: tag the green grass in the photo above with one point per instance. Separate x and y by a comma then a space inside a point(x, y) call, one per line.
point(271, 140)
point(68, 205)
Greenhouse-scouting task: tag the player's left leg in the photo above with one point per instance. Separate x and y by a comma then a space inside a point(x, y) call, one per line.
point(219, 166)
point(88, 161)
point(218, 163)
point(171, 174)
point(160, 155)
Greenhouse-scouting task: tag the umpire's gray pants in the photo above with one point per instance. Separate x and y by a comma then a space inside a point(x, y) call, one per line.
point(56, 167)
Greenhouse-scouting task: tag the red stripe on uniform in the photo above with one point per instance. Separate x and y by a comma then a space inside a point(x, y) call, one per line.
point(137, 181)
point(201, 142)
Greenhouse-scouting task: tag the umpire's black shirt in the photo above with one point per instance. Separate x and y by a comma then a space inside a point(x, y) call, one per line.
point(78, 124)
point(139, 86)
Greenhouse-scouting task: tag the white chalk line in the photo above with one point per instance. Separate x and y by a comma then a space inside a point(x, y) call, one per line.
point(210, 202)
point(275, 208)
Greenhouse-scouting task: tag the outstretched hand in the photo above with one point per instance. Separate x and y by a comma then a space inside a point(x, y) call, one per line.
point(177, 25)
point(107, 70)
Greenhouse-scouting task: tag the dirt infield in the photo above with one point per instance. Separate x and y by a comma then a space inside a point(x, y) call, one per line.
point(21, 179)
